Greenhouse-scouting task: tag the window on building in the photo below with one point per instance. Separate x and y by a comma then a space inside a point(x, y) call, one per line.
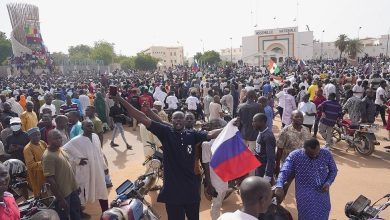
point(174, 53)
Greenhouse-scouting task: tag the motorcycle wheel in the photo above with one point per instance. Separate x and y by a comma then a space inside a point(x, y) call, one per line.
point(336, 134)
point(366, 145)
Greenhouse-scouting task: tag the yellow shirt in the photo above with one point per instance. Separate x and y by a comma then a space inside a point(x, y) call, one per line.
point(29, 120)
point(312, 91)
point(33, 158)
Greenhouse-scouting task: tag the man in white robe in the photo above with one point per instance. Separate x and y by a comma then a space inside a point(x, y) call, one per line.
point(87, 159)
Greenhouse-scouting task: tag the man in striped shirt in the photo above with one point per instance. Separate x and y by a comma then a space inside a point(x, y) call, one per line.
point(69, 106)
point(331, 111)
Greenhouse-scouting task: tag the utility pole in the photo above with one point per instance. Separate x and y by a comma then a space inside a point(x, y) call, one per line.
point(322, 43)
point(359, 33)
point(231, 50)
point(387, 47)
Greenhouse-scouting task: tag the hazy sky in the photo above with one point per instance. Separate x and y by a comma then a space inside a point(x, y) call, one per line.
point(135, 25)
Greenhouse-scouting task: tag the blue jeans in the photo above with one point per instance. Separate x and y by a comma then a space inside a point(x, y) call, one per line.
point(74, 205)
point(118, 126)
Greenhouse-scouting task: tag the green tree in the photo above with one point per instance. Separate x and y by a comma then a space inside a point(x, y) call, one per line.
point(198, 56)
point(58, 57)
point(80, 52)
point(211, 57)
point(353, 48)
point(5, 48)
point(127, 63)
point(342, 43)
point(145, 62)
point(120, 58)
point(103, 50)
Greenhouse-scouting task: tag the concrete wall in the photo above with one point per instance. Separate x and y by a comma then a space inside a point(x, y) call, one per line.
point(236, 54)
point(250, 53)
point(305, 45)
point(258, 49)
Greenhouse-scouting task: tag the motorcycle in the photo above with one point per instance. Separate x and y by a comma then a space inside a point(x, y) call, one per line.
point(360, 137)
point(226, 114)
point(361, 208)
point(18, 186)
point(130, 203)
point(39, 208)
point(154, 165)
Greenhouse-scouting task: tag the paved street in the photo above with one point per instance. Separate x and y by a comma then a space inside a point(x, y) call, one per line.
point(357, 175)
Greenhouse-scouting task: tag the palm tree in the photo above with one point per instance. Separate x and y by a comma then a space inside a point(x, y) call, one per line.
point(354, 47)
point(342, 43)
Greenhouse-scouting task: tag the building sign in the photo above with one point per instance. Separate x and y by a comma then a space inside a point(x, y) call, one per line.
point(277, 31)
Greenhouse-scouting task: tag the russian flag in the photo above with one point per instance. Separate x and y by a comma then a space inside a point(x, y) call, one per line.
point(195, 67)
point(230, 158)
point(302, 63)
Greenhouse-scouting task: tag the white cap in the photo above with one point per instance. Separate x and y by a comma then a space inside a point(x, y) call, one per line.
point(158, 103)
point(15, 120)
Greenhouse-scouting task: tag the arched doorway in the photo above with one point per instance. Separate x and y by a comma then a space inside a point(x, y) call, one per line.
point(277, 51)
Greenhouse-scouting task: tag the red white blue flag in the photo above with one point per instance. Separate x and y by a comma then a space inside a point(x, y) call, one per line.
point(230, 158)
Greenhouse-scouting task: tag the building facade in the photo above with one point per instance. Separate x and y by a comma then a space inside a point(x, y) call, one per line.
point(372, 46)
point(231, 54)
point(168, 56)
point(278, 43)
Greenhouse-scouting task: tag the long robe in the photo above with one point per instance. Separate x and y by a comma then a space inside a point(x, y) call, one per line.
point(100, 106)
point(310, 176)
point(90, 177)
point(33, 158)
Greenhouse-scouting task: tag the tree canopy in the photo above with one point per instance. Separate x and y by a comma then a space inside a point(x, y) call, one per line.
point(209, 57)
point(353, 48)
point(5, 48)
point(80, 52)
point(103, 50)
point(342, 43)
point(145, 62)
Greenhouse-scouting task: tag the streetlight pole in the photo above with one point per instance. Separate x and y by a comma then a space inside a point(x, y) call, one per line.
point(202, 44)
point(322, 42)
point(231, 50)
point(387, 47)
point(359, 32)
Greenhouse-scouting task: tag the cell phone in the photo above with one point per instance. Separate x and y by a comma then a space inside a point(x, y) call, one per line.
point(113, 91)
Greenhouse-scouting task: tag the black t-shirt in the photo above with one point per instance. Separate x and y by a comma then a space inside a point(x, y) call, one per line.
point(181, 185)
point(134, 101)
point(19, 138)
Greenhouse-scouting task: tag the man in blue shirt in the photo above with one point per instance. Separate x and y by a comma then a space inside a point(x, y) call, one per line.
point(314, 170)
point(265, 147)
point(332, 111)
point(267, 88)
point(263, 101)
point(181, 188)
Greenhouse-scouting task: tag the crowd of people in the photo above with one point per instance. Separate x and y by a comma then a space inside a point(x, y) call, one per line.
point(55, 125)
point(29, 62)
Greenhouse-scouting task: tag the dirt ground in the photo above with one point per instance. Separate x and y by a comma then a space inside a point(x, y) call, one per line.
point(369, 176)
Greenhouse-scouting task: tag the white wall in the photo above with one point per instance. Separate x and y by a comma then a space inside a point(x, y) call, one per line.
point(305, 45)
point(250, 47)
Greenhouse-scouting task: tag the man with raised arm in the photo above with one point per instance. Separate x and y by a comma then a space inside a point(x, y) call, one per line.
point(181, 188)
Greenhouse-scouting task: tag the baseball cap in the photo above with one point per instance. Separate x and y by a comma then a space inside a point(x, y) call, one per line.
point(158, 103)
point(15, 120)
